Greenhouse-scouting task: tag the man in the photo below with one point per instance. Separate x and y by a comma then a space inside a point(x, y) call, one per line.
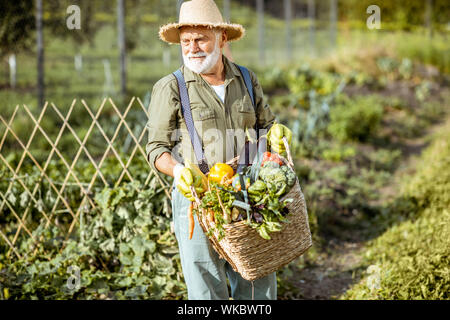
point(222, 111)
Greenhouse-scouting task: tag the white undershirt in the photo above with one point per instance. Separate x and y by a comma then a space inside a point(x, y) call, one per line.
point(220, 90)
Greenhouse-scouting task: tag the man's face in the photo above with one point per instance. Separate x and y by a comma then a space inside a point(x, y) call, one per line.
point(201, 48)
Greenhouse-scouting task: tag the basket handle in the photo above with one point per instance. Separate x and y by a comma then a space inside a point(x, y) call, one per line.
point(288, 152)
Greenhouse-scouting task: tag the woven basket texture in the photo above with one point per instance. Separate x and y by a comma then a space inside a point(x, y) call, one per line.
point(255, 257)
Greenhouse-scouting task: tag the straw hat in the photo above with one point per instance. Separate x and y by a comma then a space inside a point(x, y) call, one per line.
point(204, 13)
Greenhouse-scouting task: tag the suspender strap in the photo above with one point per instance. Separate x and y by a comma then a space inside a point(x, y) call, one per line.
point(187, 115)
point(248, 83)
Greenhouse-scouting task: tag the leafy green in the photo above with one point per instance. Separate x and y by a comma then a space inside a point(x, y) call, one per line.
point(123, 250)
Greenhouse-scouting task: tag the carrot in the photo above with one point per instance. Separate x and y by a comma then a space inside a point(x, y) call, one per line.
point(191, 220)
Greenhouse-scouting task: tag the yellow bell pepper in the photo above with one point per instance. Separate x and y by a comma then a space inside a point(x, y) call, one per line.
point(220, 172)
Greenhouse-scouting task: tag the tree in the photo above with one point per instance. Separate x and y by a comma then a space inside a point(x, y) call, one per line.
point(16, 30)
point(17, 27)
point(56, 17)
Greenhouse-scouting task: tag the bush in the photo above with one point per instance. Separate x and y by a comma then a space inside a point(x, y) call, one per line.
point(339, 153)
point(355, 120)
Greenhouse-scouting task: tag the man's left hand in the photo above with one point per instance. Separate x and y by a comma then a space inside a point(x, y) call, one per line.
point(275, 137)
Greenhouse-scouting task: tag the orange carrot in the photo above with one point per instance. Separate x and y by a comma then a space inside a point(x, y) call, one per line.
point(191, 220)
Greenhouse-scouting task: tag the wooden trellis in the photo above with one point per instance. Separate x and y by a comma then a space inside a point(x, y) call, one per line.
point(86, 187)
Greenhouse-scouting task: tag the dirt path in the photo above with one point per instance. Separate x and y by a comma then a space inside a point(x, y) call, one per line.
point(338, 265)
point(331, 274)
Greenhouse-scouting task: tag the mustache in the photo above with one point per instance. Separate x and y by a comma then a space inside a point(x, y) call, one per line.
point(196, 55)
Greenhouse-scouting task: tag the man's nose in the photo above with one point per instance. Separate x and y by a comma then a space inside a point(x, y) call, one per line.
point(193, 47)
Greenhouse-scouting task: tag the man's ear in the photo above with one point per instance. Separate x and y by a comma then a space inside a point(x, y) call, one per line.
point(224, 39)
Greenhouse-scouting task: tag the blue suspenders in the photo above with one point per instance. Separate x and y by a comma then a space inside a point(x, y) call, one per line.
point(187, 114)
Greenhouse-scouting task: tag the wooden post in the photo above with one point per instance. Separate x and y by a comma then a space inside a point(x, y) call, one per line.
point(40, 54)
point(260, 10)
point(429, 17)
point(311, 29)
point(78, 62)
point(288, 18)
point(12, 70)
point(108, 86)
point(121, 45)
point(333, 23)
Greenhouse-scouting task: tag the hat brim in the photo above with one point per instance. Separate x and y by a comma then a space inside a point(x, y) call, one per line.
point(171, 32)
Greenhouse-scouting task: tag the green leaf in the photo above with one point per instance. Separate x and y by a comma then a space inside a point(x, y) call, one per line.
point(24, 199)
point(263, 232)
point(11, 198)
point(40, 205)
point(117, 196)
point(108, 245)
point(124, 282)
point(150, 245)
point(137, 246)
point(123, 212)
point(102, 198)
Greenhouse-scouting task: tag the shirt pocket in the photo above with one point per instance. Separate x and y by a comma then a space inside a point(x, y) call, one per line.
point(204, 120)
point(246, 113)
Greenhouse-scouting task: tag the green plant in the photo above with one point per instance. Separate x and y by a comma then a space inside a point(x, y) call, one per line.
point(123, 248)
point(356, 119)
point(339, 153)
point(412, 257)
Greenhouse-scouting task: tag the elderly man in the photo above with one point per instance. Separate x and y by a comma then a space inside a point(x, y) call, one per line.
point(208, 106)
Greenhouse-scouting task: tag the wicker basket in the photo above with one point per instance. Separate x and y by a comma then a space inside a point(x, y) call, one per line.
point(251, 255)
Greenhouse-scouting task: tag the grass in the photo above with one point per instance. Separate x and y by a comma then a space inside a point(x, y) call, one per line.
point(411, 259)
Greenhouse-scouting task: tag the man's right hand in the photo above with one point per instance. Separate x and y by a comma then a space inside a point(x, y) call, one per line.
point(184, 181)
point(185, 178)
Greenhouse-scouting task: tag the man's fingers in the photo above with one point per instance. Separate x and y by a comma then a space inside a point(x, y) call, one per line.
point(183, 186)
point(199, 190)
point(288, 134)
point(186, 176)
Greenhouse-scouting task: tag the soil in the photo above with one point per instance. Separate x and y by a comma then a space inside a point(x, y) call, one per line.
point(331, 274)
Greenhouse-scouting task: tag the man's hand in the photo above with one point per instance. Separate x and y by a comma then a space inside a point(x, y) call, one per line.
point(184, 180)
point(275, 137)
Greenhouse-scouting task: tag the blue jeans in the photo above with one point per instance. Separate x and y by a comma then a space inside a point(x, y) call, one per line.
point(204, 272)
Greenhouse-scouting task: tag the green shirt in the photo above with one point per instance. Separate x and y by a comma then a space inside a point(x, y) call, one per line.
point(220, 126)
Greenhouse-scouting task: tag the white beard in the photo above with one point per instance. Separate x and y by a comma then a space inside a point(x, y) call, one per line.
point(208, 62)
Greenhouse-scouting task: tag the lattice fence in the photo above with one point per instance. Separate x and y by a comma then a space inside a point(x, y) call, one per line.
point(83, 150)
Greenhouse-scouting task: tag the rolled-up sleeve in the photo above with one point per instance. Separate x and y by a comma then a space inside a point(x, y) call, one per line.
point(162, 119)
point(265, 117)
